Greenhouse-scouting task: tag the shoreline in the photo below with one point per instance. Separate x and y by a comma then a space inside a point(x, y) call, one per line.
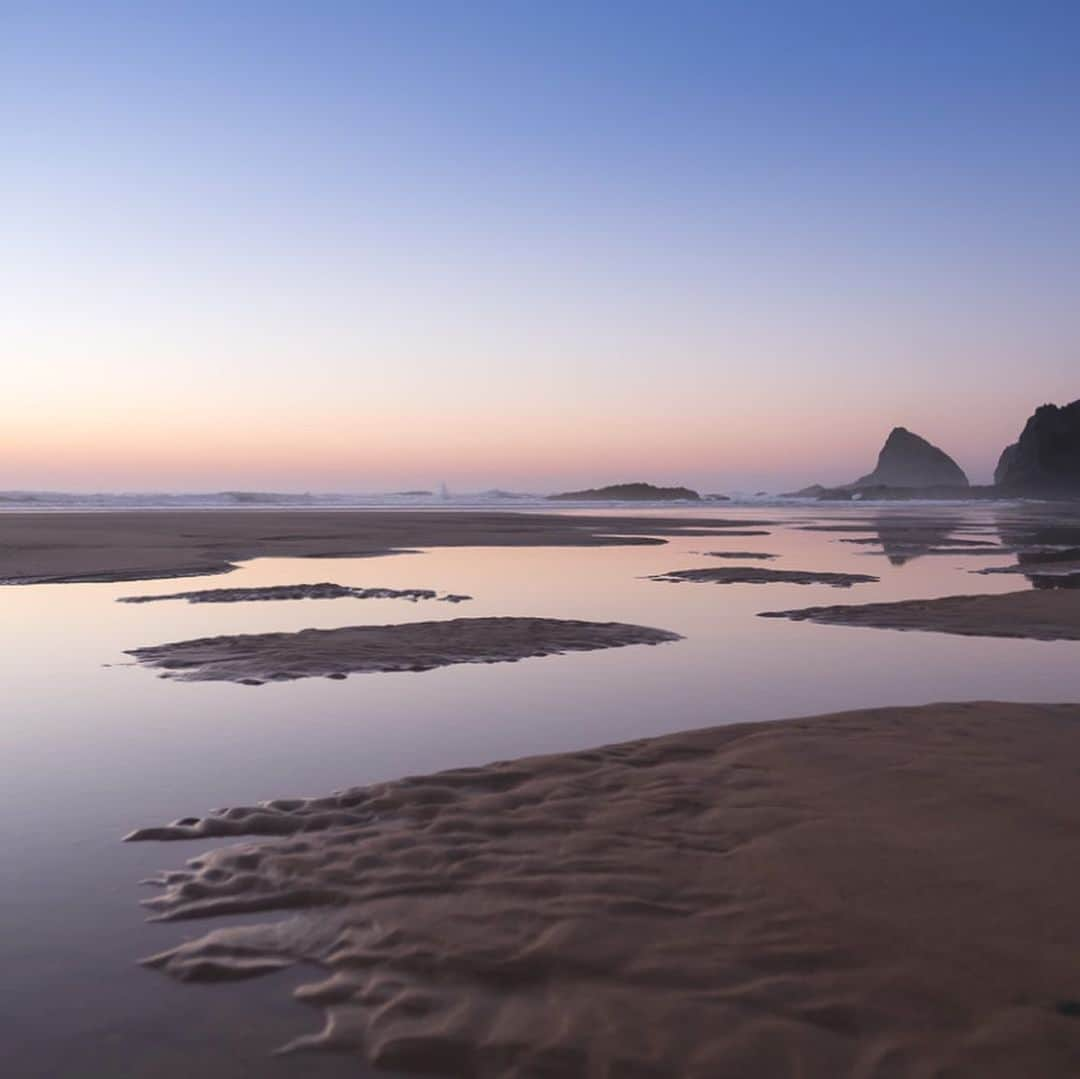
point(129, 545)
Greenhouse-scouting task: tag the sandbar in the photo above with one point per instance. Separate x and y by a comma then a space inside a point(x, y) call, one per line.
point(760, 556)
point(39, 548)
point(1042, 615)
point(323, 590)
point(761, 575)
point(256, 658)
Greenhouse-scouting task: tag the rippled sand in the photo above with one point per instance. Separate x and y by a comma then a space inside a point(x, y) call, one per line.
point(255, 658)
point(883, 893)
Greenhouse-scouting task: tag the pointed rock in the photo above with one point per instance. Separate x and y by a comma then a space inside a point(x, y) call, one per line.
point(906, 460)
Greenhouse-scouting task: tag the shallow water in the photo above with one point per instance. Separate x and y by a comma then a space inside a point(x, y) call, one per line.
point(94, 746)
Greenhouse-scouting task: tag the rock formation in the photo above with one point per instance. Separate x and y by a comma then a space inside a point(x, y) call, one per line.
point(906, 460)
point(908, 467)
point(1046, 458)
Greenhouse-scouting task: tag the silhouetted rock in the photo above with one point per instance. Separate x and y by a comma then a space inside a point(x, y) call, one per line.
point(1046, 459)
point(906, 460)
point(908, 467)
point(630, 492)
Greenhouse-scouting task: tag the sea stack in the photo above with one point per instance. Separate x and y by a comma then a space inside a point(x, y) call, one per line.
point(1046, 458)
point(906, 460)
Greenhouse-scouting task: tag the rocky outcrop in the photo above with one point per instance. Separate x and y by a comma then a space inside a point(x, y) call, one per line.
point(908, 467)
point(906, 460)
point(629, 492)
point(1046, 458)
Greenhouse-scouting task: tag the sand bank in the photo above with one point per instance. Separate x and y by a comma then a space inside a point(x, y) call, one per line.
point(323, 590)
point(878, 894)
point(1043, 615)
point(255, 658)
point(123, 546)
point(759, 575)
point(759, 556)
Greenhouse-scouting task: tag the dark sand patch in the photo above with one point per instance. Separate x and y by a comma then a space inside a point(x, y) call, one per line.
point(1042, 615)
point(39, 548)
point(255, 658)
point(760, 556)
point(891, 892)
point(741, 532)
point(761, 575)
point(323, 590)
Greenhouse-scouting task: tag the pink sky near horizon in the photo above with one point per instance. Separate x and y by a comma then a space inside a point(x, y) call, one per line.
point(365, 247)
point(134, 446)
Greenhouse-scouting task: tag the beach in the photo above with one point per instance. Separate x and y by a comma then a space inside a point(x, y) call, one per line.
point(818, 897)
point(132, 546)
point(540, 541)
point(872, 891)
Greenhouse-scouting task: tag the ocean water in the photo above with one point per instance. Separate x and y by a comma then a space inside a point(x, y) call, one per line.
point(94, 746)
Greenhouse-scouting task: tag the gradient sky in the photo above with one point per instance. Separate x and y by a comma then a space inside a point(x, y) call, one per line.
point(359, 246)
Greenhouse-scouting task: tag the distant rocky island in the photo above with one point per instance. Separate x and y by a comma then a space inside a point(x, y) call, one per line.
point(629, 492)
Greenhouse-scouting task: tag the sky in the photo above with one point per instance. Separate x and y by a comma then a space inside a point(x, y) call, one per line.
point(536, 245)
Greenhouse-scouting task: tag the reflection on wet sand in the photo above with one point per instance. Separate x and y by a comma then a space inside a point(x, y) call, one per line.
point(902, 538)
point(1047, 554)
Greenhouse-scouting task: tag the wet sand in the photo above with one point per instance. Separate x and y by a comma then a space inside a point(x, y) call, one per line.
point(882, 893)
point(322, 590)
point(130, 546)
point(760, 575)
point(256, 658)
point(751, 556)
point(1042, 615)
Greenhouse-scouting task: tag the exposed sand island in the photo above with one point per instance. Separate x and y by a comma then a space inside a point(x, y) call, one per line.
point(760, 556)
point(129, 546)
point(890, 892)
point(323, 590)
point(740, 532)
point(1043, 615)
point(255, 658)
point(762, 575)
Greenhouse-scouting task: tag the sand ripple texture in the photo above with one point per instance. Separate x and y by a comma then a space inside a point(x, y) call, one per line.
point(873, 895)
point(256, 658)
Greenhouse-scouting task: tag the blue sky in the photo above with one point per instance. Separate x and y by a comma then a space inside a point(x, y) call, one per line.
point(329, 246)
